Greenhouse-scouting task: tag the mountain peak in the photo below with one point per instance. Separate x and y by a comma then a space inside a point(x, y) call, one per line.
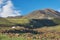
point(38, 14)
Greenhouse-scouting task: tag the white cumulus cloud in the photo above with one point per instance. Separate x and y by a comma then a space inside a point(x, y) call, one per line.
point(8, 9)
point(1, 1)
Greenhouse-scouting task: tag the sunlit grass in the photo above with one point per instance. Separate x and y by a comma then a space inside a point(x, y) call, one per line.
point(6, 37)
point(19, 21)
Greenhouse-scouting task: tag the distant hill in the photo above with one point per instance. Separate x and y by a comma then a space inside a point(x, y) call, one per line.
point(41, 14)
point(15, 17)
point(5, 22)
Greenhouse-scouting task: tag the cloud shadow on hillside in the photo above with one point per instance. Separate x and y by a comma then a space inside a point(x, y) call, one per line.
point(38, 23)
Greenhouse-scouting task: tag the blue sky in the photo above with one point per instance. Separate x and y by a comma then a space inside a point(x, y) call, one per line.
point(27, 6)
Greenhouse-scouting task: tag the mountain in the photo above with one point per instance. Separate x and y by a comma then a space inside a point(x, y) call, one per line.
point(36, 18)
point(41, 14)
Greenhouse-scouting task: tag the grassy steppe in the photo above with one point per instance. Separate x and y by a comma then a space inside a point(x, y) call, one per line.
point(43, 33)
point(46, 33)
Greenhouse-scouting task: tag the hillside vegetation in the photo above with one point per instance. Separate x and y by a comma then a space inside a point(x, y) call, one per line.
point(28, 22)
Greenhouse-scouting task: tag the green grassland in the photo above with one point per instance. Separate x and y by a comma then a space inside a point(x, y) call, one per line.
point(19, 21)
point(48, 32)
point(22, 21)
point(6, 37)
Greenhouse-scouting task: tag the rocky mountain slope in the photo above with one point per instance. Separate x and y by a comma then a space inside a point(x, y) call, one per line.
point(41, 14)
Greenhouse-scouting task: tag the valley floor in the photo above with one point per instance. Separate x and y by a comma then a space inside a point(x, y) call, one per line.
point(21, 33)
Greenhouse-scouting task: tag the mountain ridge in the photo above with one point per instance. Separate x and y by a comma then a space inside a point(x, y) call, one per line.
point(38, 14)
